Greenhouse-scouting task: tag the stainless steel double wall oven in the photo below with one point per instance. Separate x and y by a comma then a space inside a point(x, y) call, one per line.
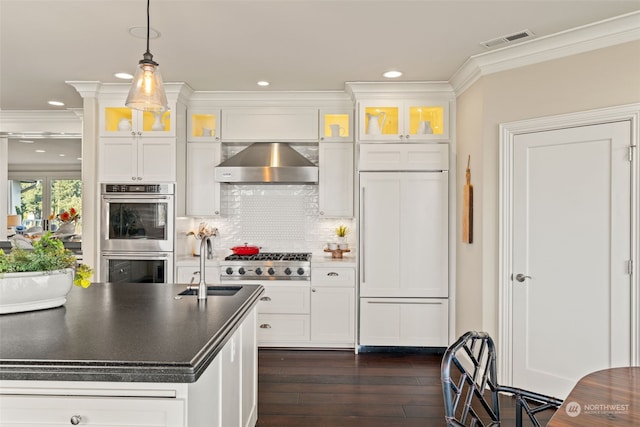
point(137, 233)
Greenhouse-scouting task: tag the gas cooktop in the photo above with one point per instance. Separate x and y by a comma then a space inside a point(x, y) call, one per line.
point(267, 266)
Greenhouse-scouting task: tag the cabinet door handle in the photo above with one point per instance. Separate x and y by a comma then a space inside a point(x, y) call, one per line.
point(265, 299)
point(75, 420)
point(333, 273)
point(313, 289)
point(363, 234)
point(405, 302)
point(265, 326)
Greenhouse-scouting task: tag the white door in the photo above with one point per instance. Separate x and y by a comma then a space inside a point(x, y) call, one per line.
point(572, 236)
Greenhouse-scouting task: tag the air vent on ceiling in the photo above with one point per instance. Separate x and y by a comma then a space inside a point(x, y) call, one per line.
point(520, 35)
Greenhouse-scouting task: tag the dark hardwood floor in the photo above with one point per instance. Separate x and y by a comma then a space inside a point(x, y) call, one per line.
point(326, 388)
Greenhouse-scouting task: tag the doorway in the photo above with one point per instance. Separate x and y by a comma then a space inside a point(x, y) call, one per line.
point(569, 300)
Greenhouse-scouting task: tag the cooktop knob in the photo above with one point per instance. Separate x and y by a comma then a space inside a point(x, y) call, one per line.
point(229, 270)
point(271, 271)
point(300, 271)
point(241, 270)
point(258, 271)
point(287, 271)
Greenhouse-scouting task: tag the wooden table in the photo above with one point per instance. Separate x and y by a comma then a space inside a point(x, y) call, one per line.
point(610, 397)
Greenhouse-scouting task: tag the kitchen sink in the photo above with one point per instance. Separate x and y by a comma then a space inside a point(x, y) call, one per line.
point(213, 290)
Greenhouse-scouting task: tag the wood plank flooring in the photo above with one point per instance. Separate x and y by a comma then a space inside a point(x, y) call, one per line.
point(330, 388)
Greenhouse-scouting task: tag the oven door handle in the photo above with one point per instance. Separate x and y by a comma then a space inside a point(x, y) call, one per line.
point(136, 199)
point(135, 255)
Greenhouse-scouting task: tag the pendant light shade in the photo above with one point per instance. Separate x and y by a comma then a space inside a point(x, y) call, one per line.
point(147, 91)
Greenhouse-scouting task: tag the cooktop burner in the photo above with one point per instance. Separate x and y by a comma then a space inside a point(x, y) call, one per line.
point(271, 256)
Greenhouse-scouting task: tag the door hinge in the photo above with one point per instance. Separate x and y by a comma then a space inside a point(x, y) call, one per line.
point(630, 267)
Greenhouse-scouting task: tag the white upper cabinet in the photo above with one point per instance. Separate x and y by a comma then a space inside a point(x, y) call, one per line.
point(335, 185)
point(419, 120)
point(203, 125)
point(336, 125)
point(203, 191)
point(280, 124)
point(137, 160)
point(118, 120)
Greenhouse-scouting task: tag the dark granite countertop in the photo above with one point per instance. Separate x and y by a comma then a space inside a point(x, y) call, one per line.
point(122, 332)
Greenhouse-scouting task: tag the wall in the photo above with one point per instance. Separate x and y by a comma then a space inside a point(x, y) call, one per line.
point(596, 79)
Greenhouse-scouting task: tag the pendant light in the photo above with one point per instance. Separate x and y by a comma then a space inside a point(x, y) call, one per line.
point(147, 91)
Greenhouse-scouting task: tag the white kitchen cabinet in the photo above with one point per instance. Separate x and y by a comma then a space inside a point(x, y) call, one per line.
point(203, 191)
point(191, 275)
point(280, 124)
point(419, 322)
point(403, 157)
point(283, 313)
point(116, 120)
point(203, 125)
point(231, 368)
point(333, 306)
point(403, 120)
point(404, 248)
point(336, 177)
point(137, 159)
point(249, 414)
point(22, 410)
point(336, 125)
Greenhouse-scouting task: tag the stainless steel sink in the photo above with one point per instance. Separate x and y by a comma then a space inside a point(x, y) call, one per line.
point(214, 291)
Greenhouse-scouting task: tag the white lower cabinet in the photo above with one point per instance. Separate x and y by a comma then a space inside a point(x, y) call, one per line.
point(419, 322)
point(333, 306)
point(55, 411)
point(225, 395)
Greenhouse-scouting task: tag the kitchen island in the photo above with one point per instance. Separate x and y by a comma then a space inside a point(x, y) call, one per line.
point(132, 354)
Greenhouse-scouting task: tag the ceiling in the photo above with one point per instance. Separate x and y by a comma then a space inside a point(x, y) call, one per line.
point(228, 45)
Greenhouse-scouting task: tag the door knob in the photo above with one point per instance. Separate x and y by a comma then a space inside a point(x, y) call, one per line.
point(522, 277)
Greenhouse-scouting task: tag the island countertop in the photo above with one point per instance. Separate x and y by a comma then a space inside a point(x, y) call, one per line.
point(125, 332)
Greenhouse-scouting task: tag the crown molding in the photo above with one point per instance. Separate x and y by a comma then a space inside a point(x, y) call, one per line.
point(44, 122)
point(597, 35)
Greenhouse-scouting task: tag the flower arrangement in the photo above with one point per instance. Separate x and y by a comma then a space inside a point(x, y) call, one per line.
point(48, 254)
point(66, 217)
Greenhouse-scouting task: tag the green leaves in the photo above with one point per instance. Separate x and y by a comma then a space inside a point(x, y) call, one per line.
point(48, 254)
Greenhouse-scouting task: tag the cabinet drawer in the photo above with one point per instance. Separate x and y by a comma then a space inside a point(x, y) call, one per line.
point(390, 157)
point(420, 322)
point(333, 276)
point(283, 328)
point(55, 411)
point(289, 299)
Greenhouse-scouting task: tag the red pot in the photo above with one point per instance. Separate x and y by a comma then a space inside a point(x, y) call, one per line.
point(245, 250)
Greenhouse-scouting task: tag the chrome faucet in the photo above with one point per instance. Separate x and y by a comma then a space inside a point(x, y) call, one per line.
point(205, 245)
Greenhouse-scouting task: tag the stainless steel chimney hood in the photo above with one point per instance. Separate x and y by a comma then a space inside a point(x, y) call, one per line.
point(267, 162)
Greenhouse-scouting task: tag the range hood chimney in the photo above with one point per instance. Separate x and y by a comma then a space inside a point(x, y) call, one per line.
point(267, 162)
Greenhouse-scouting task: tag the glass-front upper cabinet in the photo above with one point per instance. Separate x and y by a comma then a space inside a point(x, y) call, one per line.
point(118, 120)
point(403, 121)
point(336, 125)
point(203, 125)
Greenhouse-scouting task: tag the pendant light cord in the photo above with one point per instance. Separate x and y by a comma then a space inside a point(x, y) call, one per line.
point(148, 25)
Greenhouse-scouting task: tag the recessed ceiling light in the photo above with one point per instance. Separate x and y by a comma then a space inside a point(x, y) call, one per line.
point(26, 141)
point(56, 103)
point(263, 83)
point(40, 151)
point(392, 74)
point(141, 32)
point(123, 76)
point(61, 155)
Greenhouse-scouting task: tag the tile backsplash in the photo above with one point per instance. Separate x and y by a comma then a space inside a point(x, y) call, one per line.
point(278, 218)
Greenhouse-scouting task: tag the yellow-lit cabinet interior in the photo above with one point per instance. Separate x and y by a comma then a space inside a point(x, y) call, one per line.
point(118, 120)
point(336, 125)
point(420, 120)
point(203, 125)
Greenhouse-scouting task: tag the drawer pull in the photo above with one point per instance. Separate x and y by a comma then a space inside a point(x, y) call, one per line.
point(265, 326)
point(405, 302)
point(265, 299)
point(333, 273)
point(75, 420)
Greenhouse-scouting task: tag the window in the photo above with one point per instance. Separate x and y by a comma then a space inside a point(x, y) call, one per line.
point(36, 196)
